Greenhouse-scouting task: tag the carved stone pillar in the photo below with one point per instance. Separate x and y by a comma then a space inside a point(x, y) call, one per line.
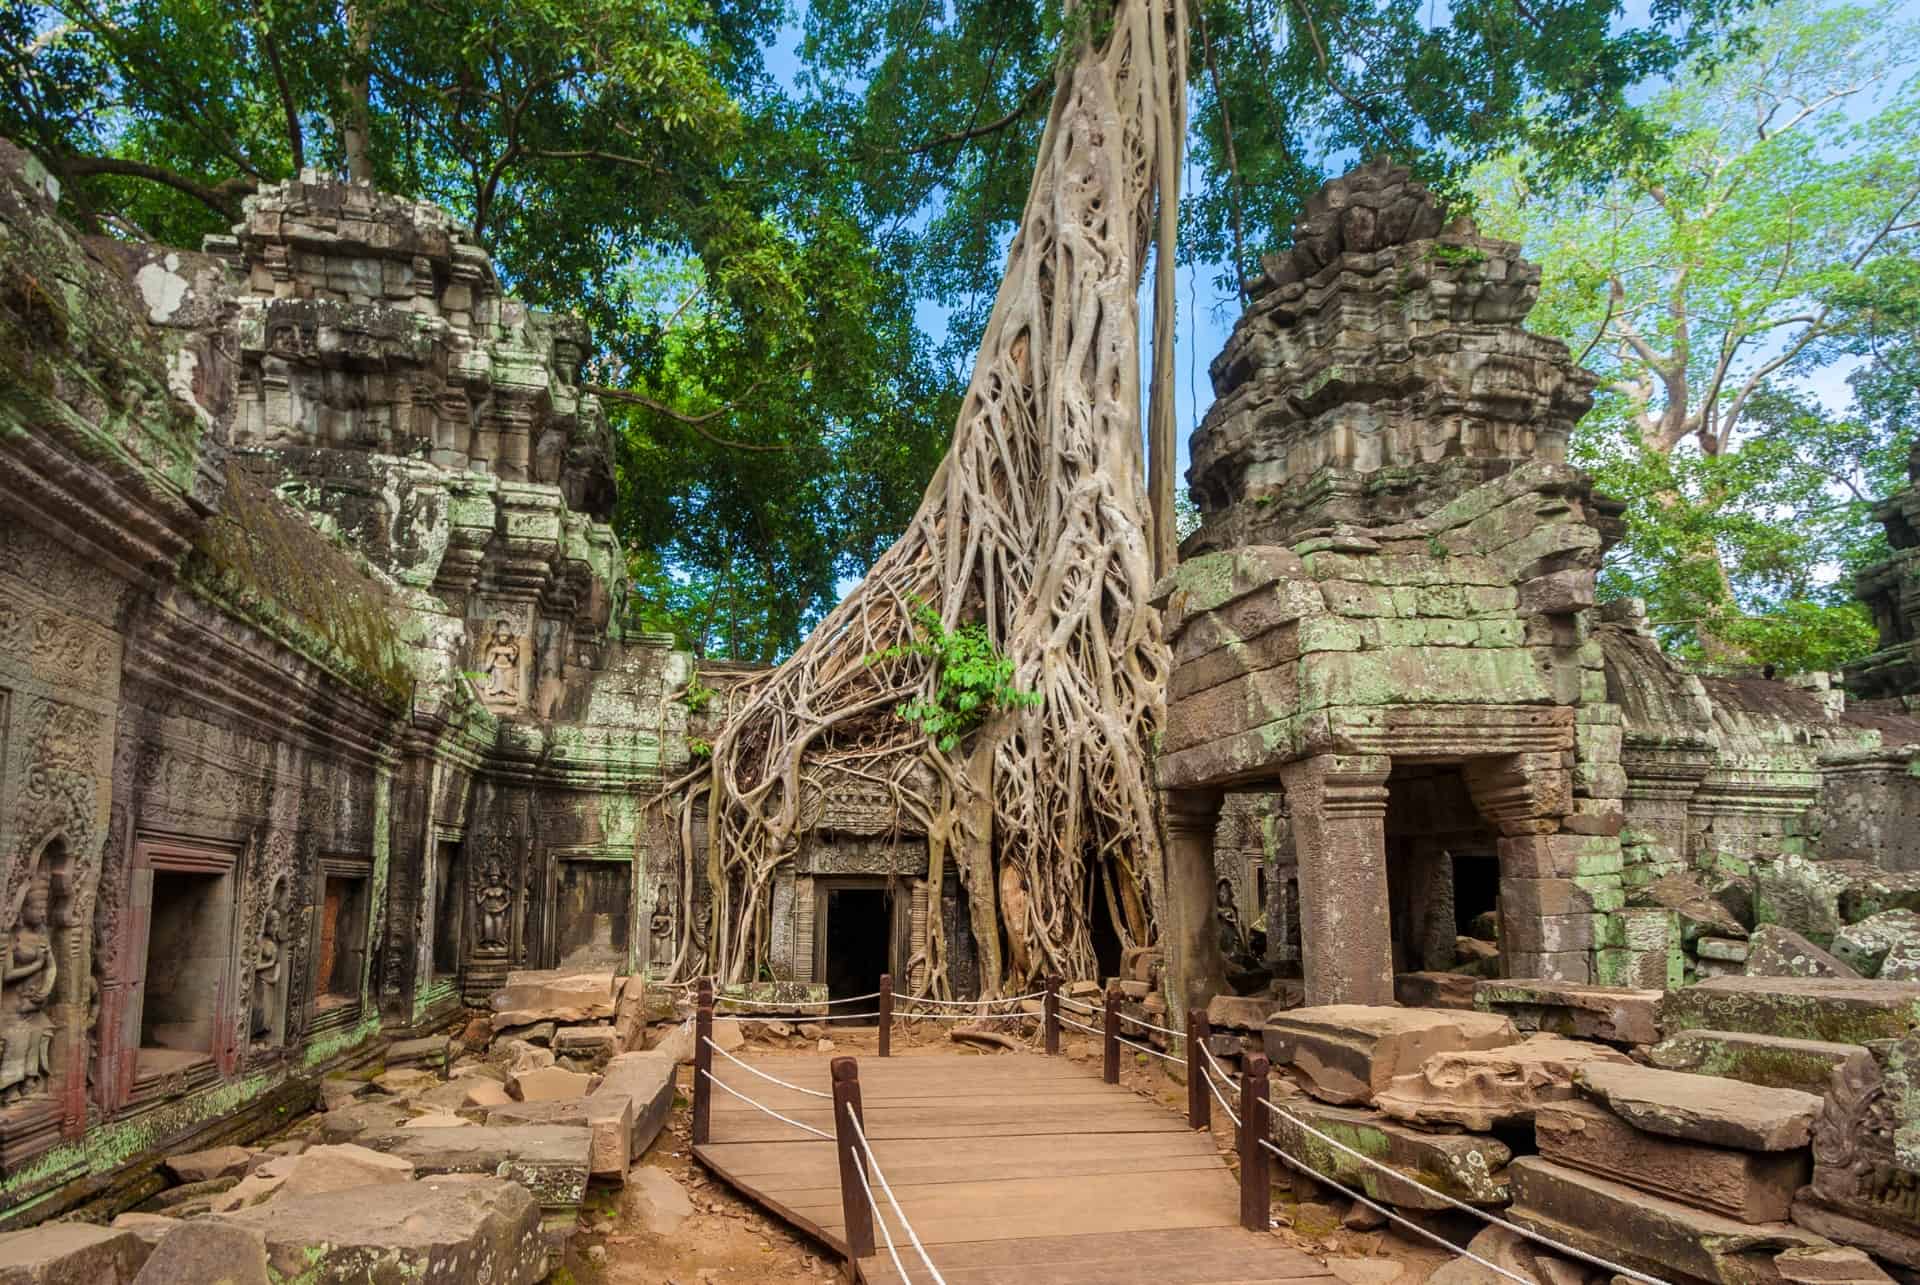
point(1195, 972)
point(1339, 808)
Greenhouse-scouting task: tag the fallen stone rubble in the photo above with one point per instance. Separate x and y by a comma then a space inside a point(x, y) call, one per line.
point(1745, 1129)
point(461, 1158)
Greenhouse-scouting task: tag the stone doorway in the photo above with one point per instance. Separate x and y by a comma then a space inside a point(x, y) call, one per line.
point(593, 913)
point(448, 901)
point(1432, 827)
point(341, 939)
point(860, 931)
point(181, 1017)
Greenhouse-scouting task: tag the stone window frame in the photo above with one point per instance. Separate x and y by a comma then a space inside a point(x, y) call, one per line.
point(338, 865)
point(439, 832)
point(180, 854)
point(601, 853)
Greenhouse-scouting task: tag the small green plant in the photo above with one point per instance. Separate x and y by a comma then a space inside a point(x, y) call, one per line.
point(699, 748)
point(1456, 256)
point(1436, 548)
point(697, 695)
point(975, 680)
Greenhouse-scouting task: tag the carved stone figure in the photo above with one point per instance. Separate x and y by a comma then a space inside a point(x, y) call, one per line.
point(26, 988)
point(660, 932)
point(502, 665)
point(268, 971)
point(495, 899)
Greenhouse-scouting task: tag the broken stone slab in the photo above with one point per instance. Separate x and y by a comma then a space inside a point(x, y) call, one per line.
point(1774, 951)
point(348, 1123)
point(1242, 1012)
point(216, 1162)
point(1479, 1089)
point(656, 1201)
point(1774, 1061)
point(1871, 892)
point(1688, 896)
point(1839, 1265)
point(485, 1093)
point(1703, 1108)
point(1465, 1166)
point(1647, 1233)
point(428, 1051)
point(1722, 950)
point(539, 1033)
point(1433, 990)
point(337, 1091)
point(551, 1161)
point(258, 1187)
point(1616, 1014)
point(646, 1080)
point(1838, 1011)
point(151, 1228)
point(210, 1250)
point(608, 1119)
point(1752, 1186)
point(195, 1197)
point(1822, 1217)
point(406, 1081)
point(556, 995)
point(548, 1084)
point(1902, 962)
point(427, 1231)
point(586, 1041)
point(1863, 947)
point(630, 1016)
point(522, 1056)
point(1515, 1253)
point(70, 1254)
point(677, 1042)
point(317, 1169)
point(437, 1120)
point(1346, 1053)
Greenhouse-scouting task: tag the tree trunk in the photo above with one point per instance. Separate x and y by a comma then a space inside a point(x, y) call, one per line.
point(357, 127)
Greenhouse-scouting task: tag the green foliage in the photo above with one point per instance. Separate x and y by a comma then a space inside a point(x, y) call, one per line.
point(1702, 287)
point(697, 695)
point(699, 747)
point(1456, 256)
point(974, 681)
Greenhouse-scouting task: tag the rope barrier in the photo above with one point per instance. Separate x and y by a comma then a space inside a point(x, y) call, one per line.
point(804, 1128)
point(1068, 1021)
point(791, 1004)
point(861, 1135)
point(1091, 1009)
point(770, 1079)
point(1515, 1228)
point(967, 1017)
point(967, 1003)
point(1077, 1006)
point(1224, 1077)
point(799, 1021)
point(886, 1232)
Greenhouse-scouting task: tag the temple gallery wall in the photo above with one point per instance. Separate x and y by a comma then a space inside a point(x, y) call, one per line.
point(319, 712)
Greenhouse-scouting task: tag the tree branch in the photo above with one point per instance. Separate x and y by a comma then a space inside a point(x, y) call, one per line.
point(224, 197)
point(296, 142)
point(696, 422)
point(979, 131)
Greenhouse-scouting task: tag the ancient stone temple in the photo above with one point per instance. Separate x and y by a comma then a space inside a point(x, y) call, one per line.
point(1388, 616)
point(318, 708)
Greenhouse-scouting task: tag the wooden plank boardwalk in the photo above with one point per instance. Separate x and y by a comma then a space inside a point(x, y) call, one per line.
point(1010, 1168)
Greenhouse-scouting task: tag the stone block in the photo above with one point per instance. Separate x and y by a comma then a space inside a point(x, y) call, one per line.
point(556, 995)
point(1534, 898)
point(1864, 946)
point(1558, 856)
point(211, 1251)
point(1573, 967)
point(549, 1083)
point(1773, 951)
point(486, 1230)
point(1465, 1166)
point(429, 1051)
point(1823, 1218)
point(1433, 990)
point(648, 1080)
point(586, 1041)
point(70, 1254)
point(1839, 1265)
point(152, 1228)
point(218, 1162)
point(1726, 950)
point(551, 1161)
point(1348, 1052)
point(347, 1123)
point(1478, 1090)
point(630, 1016)
point(1797, 892)
point(1837, 1010)
point(1646, 1232)
point(1617, 1014)
point(1752, 1186)
point(1547, 934)
point(1242, 1012)
point(1773, 1061)
point(480, 1092)
point(608, 1119)
point(1870, 892)
point(1709, 1109)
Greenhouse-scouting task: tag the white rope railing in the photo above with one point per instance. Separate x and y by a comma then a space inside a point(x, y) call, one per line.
point(1144, 1048)
point(966, 1003)
point(791, 1004)
point(860, 1135)
point(885, 1231)
point(770, 1079)
point(1218, 1095)
point(760, 1106)
point(801, 1021)
point(1462, 1205)
point(1142, 1022)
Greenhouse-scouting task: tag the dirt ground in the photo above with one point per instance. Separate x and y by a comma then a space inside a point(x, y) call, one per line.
point(727, 1238)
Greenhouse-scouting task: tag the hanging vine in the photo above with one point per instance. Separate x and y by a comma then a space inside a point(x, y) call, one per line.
point(1033, 540)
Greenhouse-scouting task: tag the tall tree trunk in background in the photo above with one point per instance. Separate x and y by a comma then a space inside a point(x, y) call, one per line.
point(1036, 526)
point(358, 125)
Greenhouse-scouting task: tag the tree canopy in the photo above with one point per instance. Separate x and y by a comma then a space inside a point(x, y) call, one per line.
point(1773, 237)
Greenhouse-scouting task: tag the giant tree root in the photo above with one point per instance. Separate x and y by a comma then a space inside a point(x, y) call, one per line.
point(974, 1035)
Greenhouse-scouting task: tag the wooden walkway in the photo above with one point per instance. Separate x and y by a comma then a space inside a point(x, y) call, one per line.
point(1010, 1168)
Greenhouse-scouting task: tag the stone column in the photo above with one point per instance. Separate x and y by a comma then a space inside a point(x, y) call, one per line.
point(1195, 972)
point(1339, 808)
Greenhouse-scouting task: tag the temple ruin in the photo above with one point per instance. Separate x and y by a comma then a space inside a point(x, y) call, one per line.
point(323, 726)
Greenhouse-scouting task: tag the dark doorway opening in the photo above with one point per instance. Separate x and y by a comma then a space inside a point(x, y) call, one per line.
point(1106, 937)
point(1476, 889)
point(859, 936)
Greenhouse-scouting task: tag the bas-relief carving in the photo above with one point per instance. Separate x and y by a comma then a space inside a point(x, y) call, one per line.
point(274, 870)
point(1856, 1165)
point(501, 683)
point(493, 895)
point(27, 984)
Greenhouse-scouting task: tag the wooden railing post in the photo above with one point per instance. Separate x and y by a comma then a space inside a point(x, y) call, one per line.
point(1255, 1183)
point(1050, 1016)
point(1110, 1039)
point(1199, 1100)
point(886, 1013)
point(854, 1207)
point(702, 1061)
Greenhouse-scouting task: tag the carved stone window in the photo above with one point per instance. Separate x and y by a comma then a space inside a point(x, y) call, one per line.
point(448, 905)
point(184, 909)
point(342, 930)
